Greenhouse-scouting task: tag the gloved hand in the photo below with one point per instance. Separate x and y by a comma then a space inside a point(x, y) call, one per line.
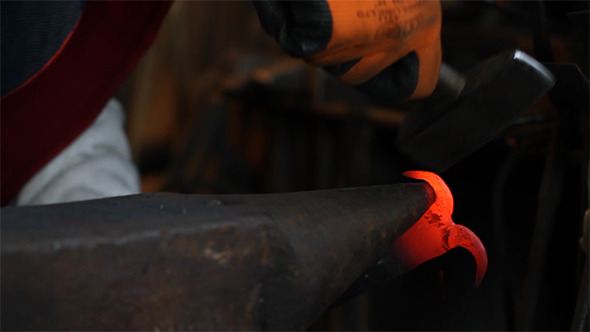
point(388, 49)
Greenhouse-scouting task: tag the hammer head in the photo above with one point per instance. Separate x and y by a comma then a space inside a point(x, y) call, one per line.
point(465, 112)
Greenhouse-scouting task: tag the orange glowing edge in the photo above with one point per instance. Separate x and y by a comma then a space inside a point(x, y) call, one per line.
point(435, 233)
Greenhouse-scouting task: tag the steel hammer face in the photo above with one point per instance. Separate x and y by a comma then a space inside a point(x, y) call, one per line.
point(467, 111)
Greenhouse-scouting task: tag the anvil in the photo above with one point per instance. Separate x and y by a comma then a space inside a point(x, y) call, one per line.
point(196, 262)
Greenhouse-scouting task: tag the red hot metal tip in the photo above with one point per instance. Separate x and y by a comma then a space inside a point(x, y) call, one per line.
point(436, 233)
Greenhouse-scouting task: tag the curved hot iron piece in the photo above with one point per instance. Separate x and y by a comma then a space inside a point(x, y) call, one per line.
point(436, 233)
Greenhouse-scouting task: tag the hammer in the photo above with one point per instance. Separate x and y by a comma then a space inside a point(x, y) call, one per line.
point(467, 111)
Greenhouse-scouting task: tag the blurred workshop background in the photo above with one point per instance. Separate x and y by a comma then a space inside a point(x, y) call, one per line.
point(216, 107)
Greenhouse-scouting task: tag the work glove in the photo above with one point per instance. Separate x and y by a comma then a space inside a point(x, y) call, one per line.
point(386, 48)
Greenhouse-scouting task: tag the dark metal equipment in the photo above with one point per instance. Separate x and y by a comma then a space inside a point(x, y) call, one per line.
point(465, 112)
point(196, 262)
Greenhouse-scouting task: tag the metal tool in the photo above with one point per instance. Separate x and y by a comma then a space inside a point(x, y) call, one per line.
point(196, 262)
point(467, 111)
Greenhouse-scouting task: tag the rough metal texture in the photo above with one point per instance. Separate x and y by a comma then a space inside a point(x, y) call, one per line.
point(196, 262)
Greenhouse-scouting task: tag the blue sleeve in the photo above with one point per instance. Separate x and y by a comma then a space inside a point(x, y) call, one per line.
point(32, 32)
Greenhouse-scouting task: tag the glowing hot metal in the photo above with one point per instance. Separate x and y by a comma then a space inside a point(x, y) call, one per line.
point(436, 233)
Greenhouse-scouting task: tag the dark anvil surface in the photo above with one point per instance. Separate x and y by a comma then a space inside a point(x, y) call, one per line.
point(188, 262)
